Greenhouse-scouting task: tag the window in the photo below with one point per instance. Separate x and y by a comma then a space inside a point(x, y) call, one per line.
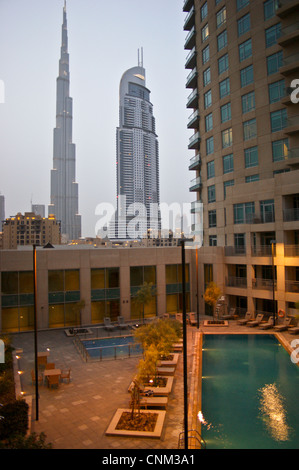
point(209, 122)
point(222, 40)
point(223, 64)
point(267, 211)
point(212, 240)
point(280, 149)
point(249, 129)
point(206, 54)
point(248, 102)
point(244, 24)
point(251, 178)
point(205, 33)
point(211, 193)
point(224, 88)
point(274, 62)
point(276, 91)
point(210, 145)
point(225, 112)
point(211, 169)
point(226, 184)
point(241, 4)
point(207, 76)
point(251, 157)
point(278, 120)
point(246, 76)
point(240, 245)
point(204, 11)
point(212, 219)
point(227, 138)
point(270, 7)
point(228, 163)
point(245, 50)
point(273, 34)
point(243, 213)
point(221, 17)
point(208, 99)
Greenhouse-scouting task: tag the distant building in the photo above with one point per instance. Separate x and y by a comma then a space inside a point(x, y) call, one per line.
point(64, 189)
point(30, 229)
point(2, 210)
point(38, 209)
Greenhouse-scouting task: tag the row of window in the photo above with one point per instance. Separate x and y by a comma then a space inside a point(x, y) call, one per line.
point(279, 153)
point(278, 121)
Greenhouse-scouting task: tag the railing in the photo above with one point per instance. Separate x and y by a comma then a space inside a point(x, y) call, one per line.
point(264, 284)
point(290, 215)
point(234, 250)
point(195, 183)
point(195, 441)
point(263, 250)
point(194, 138)
point(234, 281)
point(292, 286)
point(291, 250)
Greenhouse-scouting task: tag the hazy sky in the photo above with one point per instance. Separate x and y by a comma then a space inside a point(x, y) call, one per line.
point(104, 38)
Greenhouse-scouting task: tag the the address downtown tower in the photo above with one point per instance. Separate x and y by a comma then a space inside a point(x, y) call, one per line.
point(137, 159)
point(64, 189)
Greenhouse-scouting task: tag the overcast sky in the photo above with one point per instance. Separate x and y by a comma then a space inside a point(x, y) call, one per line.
point(103, 40)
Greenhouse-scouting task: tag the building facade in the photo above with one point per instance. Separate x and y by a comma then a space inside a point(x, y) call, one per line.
point(30, 229)
point(242, 61)
point(64, 189)
point(137, 159)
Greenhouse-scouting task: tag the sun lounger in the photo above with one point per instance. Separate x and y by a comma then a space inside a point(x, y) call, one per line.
point(229, 316)
point(121, 323)
point(192, 319)
point(249, 316)
point(267, 325)
point(294, 330)
point(284, 326)
point(257, 320)
point(107, 324)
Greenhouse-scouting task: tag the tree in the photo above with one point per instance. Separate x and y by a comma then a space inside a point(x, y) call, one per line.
point(161, 334)
point(212, 294)
point(144, 296)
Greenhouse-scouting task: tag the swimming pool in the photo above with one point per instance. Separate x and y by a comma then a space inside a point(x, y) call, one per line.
point(110, 348)
point(249, 393)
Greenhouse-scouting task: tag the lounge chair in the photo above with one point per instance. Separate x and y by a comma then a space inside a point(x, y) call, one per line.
point(107, 324)
point(179, 317)
point(192, 319)
point(284, 326)
point(155, 402)
point(121, 323)
point(50, 365)
point(267, 325)
point(248, 316)
point(257, 320)
point(229, 316)
point(53, 380)
point(294, 330)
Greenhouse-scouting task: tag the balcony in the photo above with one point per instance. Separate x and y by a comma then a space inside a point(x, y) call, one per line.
point(292, 126)
point(287, 7)
point(291, 251)
point(290, 215)
point(233, 281)
point(196, 229)
point(263, 250)
point(234, 251)
point(192, 100)
point(190, 20)
point(194, 141)
point(195, 184)
point(188, 4)
point(289, 34)
point(293, 156)
point(192, 79)
point(196, 207)
point(193, 120)
point(195, 162)
point(190, 39)
point(264, 284)
point(292, 286)
point(290, 65)
point(191, 59)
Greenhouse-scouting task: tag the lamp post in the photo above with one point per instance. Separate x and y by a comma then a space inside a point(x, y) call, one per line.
point(273, 242)
point(35, 331)
point(182, 242)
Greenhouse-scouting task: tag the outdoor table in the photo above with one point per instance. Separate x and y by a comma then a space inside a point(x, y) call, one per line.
point(55, 372)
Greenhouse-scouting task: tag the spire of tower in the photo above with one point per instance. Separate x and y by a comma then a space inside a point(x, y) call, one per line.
point(140, 60)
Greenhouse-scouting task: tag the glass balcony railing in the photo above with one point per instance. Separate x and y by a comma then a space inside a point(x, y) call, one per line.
point(195, 184)
point(195, 162)
point(194, 141)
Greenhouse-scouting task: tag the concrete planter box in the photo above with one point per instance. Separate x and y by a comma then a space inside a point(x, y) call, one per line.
point(158, 391)
point(112, 431)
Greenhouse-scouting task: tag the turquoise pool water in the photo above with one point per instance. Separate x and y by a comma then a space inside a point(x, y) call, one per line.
point(113, 347)
point(250, 392)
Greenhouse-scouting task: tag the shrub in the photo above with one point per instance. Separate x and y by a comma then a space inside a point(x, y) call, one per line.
point(14, 419)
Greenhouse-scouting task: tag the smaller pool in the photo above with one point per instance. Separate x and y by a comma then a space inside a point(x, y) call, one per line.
point(110, 348)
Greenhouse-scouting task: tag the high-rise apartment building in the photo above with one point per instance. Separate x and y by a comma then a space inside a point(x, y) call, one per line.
point(30, 229)
point(64, 189)
point(2, 210)
point(137, 158)
point(242, 61)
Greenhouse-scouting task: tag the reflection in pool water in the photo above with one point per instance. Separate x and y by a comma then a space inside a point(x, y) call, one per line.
point(273, 412)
